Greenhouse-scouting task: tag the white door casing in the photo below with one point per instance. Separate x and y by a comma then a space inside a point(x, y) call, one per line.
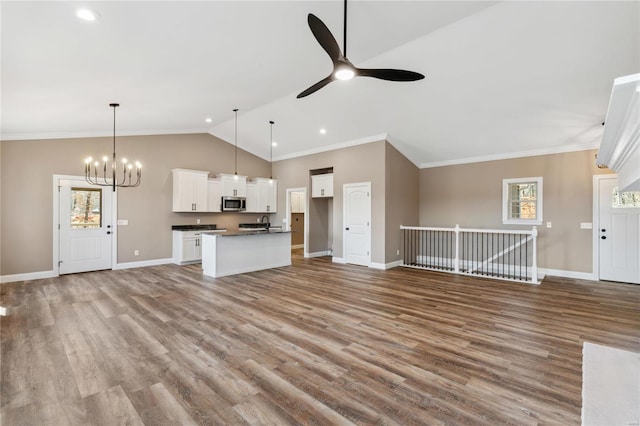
point(617, 237)
point(83, 249)
point(357, 223)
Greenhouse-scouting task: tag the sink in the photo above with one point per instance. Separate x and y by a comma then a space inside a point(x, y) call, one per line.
point(253, 226)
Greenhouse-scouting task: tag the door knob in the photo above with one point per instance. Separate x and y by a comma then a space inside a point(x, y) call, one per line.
point(108, 232)
point(603, 230)
point(108, 226)
point(346, 229)
point(604, 237)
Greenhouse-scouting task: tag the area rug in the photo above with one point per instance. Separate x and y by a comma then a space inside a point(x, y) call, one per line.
point(610, 386)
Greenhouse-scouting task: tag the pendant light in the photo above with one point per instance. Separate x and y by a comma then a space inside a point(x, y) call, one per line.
point(271, 123)
point(91, 173)
point(235, 111)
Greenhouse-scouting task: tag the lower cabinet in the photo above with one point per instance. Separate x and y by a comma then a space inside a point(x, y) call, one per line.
point(187, 247)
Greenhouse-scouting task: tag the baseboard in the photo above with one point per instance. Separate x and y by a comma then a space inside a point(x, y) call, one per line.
point(143, 263)
point(318, 254)
point(590, 276)
point(27, 277)
point(384, 266)
point(297, 246)
point(338, 260)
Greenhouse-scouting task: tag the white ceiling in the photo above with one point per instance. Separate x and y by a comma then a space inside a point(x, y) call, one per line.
point(502, 79)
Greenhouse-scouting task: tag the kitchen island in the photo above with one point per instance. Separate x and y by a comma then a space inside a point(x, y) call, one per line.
point(237, 253)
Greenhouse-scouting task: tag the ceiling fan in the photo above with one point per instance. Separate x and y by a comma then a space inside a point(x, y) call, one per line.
point(343, 69)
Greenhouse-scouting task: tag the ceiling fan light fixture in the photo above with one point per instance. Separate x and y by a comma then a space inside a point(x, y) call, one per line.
point(344, 73)
point(87, 15)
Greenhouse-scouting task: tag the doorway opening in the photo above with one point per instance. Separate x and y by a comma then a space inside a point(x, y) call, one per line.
point(297, 219)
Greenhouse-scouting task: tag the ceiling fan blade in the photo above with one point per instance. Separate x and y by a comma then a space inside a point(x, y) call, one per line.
point(390, 74)
point(324, 37)
point(319, 85)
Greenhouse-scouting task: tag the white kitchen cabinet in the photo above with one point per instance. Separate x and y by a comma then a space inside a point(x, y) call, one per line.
point(252, 198)
point(233, 185)
point(187, 247)
point(190, 190)
point(297, 202)
point(267, 195)
point(322, 185)
point(214, 196)
point(262, 196)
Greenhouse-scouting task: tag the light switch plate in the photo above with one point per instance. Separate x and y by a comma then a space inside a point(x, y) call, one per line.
point(123, 222)
point(586, 225)
point(548, 224)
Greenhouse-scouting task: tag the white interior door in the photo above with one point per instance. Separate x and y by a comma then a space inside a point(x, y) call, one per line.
point(618, 233)
point(85, 228)
point(357, 223)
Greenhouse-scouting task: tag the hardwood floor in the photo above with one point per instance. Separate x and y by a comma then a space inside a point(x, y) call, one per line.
point(313, 343)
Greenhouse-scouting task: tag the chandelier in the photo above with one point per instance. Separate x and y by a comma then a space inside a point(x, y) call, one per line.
point(91, 167)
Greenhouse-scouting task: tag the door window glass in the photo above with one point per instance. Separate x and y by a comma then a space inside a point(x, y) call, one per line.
point(621, 200)
point(86, 208)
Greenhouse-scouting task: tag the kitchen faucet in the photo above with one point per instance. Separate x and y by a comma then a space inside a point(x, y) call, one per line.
point(262, 219)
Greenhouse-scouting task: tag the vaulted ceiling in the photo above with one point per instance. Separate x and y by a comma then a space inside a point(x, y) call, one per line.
point(502, 78)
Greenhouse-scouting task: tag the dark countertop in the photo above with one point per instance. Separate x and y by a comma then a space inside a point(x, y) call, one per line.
point(240, 233)
point(211, 227)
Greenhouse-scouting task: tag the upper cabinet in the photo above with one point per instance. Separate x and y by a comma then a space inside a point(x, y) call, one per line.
point(252, 198)
point(214, 196)
point(233, 185)
point(262, 196)
point(190, 190)
point(322, 185)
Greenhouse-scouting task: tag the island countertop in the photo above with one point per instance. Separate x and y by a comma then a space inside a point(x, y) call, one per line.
point(241, 233)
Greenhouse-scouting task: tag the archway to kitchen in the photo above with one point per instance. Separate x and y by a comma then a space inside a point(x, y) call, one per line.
point(296, 217)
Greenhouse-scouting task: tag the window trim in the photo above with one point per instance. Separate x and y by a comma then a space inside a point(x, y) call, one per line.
point(506, 220)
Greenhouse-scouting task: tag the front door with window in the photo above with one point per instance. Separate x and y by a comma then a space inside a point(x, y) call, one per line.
point(85, 227)
point(618, 233)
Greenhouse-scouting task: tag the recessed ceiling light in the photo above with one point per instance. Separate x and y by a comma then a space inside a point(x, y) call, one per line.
point(323, 131)
point(208, 120)
point(87, 14)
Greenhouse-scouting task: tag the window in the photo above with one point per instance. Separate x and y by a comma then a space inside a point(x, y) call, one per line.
point(622, 200)
point(86, 209)
point(522, 201)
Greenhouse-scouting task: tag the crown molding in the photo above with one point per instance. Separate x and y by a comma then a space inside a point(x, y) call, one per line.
point(511, 155)
point(80, 135)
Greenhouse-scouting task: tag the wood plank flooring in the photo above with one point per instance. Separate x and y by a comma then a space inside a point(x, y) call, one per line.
point(313, 343)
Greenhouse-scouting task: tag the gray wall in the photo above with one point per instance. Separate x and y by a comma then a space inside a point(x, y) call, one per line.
point(471, 195)
point(27, 169)
point(401, 199)
point(361, 163)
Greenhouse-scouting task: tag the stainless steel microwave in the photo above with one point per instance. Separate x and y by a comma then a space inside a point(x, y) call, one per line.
point(234, 204)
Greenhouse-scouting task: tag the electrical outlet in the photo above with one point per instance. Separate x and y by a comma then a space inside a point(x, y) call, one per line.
point(548, 224)
point(198, 221)
point(397, 252)
point(136, 252)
